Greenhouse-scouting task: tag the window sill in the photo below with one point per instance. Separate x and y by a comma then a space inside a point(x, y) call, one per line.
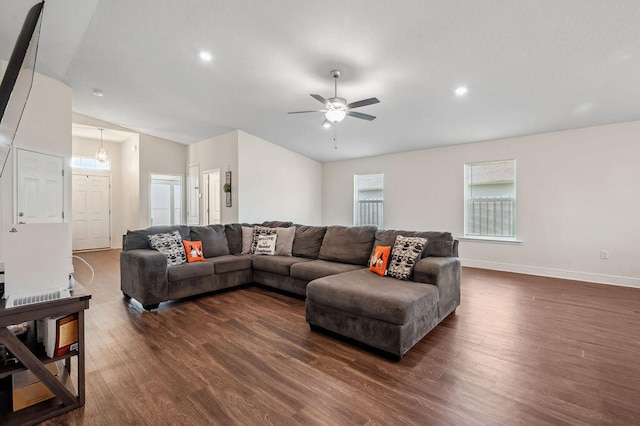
point(491, 240)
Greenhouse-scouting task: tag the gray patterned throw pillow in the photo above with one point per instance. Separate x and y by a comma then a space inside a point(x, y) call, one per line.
point(170, 245)
point(404, 255)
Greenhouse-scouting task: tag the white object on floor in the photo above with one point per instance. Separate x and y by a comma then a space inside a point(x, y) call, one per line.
point(37, 263)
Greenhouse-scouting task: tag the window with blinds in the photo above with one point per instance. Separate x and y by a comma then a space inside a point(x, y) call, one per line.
point(368, 199)
point(490, 199)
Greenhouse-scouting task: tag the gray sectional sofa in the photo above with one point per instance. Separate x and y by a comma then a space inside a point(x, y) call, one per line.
point(328, 266)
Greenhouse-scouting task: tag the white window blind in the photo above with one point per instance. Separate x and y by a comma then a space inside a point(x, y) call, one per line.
point(368, 199)
point(490, 199)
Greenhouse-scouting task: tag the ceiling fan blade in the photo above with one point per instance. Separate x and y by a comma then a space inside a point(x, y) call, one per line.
point(361, 115)
point(362, 103)
point(303, 112)
point(319, 99)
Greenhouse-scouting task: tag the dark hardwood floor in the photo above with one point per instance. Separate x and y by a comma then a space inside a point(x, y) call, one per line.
point(519, 350)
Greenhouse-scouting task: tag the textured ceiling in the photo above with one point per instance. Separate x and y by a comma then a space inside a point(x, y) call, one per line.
point(531, 67)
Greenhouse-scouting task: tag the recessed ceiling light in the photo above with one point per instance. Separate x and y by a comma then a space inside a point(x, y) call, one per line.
point(461, 90)
point(98, 93)
point(206, 56)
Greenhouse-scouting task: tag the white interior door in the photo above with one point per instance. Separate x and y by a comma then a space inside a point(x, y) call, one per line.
point(213, 196)
point(39, 188)
point(91, 212)
point(193, 195)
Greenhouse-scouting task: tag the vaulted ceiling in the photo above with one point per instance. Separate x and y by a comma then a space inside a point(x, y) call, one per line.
point(530, 67)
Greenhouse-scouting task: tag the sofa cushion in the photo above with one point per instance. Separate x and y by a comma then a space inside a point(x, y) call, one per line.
point(369, 295)
point(284, 243)
point(320, 268)
point(387, 237)
point(404, 255)
point(308, 240)
point(348, 244)
point(276, 224)
point(214, 239)
point(189, 270)
point(233, 232)
point(137, 239)
point(276, 264)
point(230, 263)
point(169, 244)
point(438, 243)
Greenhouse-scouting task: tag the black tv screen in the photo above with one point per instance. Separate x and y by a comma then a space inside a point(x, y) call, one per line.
point(17, 80)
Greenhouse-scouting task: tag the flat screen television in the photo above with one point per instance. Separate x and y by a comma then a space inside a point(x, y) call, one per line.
point(17, 80)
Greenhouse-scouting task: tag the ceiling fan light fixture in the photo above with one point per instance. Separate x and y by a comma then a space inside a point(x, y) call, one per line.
point(336, 103)
point(335, 115)
point(326, 124)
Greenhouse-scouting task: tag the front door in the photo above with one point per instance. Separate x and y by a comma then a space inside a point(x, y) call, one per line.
point(39, 187)
point(91, 212)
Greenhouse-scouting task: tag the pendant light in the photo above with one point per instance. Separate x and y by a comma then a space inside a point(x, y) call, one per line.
point(101, 155)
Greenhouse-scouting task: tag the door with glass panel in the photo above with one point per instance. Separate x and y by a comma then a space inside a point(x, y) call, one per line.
point(166, 200)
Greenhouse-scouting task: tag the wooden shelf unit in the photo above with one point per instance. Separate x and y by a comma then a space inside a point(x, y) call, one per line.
point(32, 357)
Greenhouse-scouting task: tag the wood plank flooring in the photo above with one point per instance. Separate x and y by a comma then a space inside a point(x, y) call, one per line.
point(519, 350)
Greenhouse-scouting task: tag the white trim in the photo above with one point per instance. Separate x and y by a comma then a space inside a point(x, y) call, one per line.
point(554, 273)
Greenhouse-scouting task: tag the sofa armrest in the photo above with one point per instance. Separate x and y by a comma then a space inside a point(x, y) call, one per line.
point(143, 275)
point(444, 273)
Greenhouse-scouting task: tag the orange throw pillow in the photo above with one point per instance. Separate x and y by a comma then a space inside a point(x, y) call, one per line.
point(194, 251)
point(379, 260)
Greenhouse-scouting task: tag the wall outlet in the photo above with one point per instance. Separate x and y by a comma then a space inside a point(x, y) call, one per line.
point(604, 254)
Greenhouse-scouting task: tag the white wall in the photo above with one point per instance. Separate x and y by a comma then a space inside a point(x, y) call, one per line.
point(578, 193)
point(129, 197)
point(220, 152)
point(277, 184)
point(45, 127)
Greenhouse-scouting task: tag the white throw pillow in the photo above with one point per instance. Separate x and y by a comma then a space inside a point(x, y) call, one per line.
point(266, 244)
point(284, 243)
point(258, 231)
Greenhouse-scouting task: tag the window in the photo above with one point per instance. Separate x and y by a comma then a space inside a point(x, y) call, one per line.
point(166, 199)
point(490, 199)
point(369, 199)
point(90, 163)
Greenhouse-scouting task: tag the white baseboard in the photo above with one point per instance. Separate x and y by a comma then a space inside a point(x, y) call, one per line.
point(554, 273)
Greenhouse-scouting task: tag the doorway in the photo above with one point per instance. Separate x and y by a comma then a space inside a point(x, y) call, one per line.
point(91, 207)
point(166, 200)
point(212, 211)
point(193, 195)
point(39, 188)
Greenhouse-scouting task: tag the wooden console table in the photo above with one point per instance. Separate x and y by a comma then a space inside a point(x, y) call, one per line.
point(33, 357)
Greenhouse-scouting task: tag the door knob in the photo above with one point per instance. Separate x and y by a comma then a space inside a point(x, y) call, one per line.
point(20, 214)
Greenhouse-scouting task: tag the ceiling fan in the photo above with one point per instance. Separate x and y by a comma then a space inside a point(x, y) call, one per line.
point(336, 109)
